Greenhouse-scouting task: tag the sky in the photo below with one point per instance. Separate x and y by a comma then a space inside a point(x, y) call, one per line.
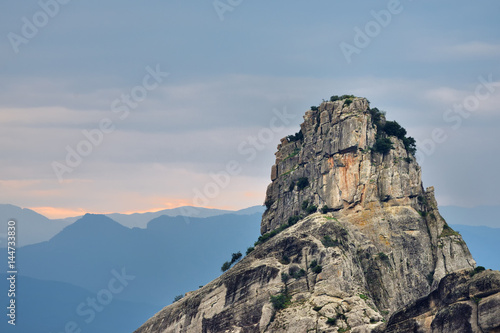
point(128, 106)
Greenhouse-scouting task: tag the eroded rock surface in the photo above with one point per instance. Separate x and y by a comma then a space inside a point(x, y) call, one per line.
point(461, 304)
point(381, 246)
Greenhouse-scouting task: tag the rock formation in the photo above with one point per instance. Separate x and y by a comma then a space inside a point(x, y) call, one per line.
point(461, 304)
point(349, 237)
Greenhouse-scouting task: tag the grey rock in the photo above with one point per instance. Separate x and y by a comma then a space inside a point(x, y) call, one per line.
point(454, 307)
point(381, 246)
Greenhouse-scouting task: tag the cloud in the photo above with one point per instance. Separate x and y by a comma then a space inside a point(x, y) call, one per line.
point(474, 49)
point(161, 157)
point(440, 49)
point(226, 78)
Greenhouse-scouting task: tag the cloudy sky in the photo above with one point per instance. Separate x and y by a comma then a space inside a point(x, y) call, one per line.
point(128, 106)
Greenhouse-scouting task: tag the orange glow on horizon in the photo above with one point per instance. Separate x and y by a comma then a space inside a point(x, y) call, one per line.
point(58, 213)
point(61, 212)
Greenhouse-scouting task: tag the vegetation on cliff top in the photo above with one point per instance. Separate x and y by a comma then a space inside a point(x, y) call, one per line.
point(385, 129)
point(234, 258)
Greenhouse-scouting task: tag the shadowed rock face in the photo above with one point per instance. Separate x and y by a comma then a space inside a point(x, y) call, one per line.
point(460, 304)
point(382, 246)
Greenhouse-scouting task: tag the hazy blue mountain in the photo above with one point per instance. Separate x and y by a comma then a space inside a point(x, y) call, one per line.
point(140, 220)
point(35, 228)
point(31, 227)
point(483, 243)
point(478, 216)
point(171, 256)
point(48, 306)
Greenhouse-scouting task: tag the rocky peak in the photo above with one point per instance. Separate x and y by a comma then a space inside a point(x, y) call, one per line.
point(331, 164)
point(349, 237)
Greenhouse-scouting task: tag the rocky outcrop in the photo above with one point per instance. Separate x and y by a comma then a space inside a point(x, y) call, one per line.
point(461, 304)
point(341, 170)
point(350, 236)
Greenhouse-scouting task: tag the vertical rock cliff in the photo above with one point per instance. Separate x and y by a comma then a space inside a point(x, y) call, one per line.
point(349, 236)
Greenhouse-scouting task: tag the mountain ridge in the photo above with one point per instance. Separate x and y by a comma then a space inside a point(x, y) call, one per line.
point(35, 228)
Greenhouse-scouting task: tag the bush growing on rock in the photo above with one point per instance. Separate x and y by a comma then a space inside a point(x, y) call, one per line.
point(293, 219)
point(302, 183)
point(311, 209)
point(329, 242)
point(331, 321)
point(315, 267)
point(235, 257)
point(376, 116)
point(392, 128)
point(296, 272)
point(299, 136)
point(265, 237)
point(281, 301)
point(268, 204)
point(383, 145)
point(325, 209)
point(477, 270)
point(285, 260)
point(225, 266)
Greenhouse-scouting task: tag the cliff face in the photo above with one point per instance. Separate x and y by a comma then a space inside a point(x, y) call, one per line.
point(342, 172)
point(380, 193)
point(380, 244)
point(461, 304)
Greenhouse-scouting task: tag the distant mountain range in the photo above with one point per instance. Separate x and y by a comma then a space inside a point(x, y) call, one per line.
point(140, 220)
point(173, 255)
point(32, 227)
point(35, 228)
point(167, 256)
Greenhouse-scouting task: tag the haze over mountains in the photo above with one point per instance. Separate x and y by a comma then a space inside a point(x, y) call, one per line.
point(168, 256)
point(167, 253)
point(32, 227)
point(35, 228)
point(171, 256)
